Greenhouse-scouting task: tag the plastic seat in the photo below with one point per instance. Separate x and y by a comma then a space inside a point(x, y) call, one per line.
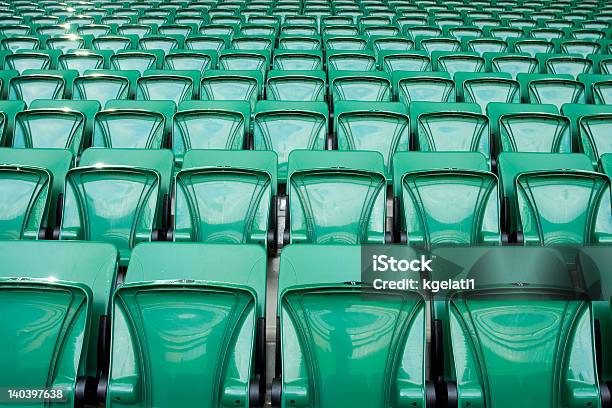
point(133, 124)
point(201, 300)
point(39, 59)
point(210, 125)
point(305, 60)
point(453, 62)
point(237, 60)
point(20, 43)
point(483, 45)
point(602, 64)
point(206, 42)
point(450, 127)
point(423, 87)
point(431, 44)
point(391, 61)
point(160, 42)
point(116, 196)
point(445, 198)
point(8, 111)
point(336, 197)
point(343, 60)
point(250, 42)
point(226, 197)
point(532, 46)
point(175, 85)
point(299, 42)
point(331, 305)
point(537, 185)
point(305, 86)
point(484, 88)
point(32, 180)
point(284, 126)
point(113, 42)
point(70, 284)
point(66, 42)
point(360, 86)
point(105, 85)
point(511, 63)
point(82, 61)
point(375, 126)
point(34, 84)
point(134, 29)
point(579, 47)
point(189, 60)
point(391, 43)
point(546, 302)
point(573, 65)
point(605, 164)
point(591, 128)
point(134, 61)
point(553, 89)
point(598, 88)
point(232, 86)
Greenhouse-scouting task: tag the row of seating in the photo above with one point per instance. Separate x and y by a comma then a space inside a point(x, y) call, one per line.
point(385, 127)
point(183, 327)
point(124, 197)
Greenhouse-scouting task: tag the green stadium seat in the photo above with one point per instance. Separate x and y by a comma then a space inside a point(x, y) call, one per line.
point(69, 285)
point(208, 189)
point(374, 126)
point(505, 33)
point(511, 63)
point(190, 60)
point(546, 301)
point(423, 87)
point(8, 111)
point(546, 33)
point(239, 60)
point(299, 42)
point(390, 43)
point(113, 42)
point(431, 44)
point(210, 125)
point(83, 60)
point(182, 30)
point(305, 86)
point(174, 85)
point(34, 84)
point(140, 61)
point(340, 30)
point(344, 60)
point(445, 198)
point(591, 128)
point(422, 31)
point(360, 86)
point(284, 126)
point(573, 65)
point(581, 47)
point(16, 43)
point(322, 307)
point(160, 42)
point(534, 132)
point(206, 42)
point(298, 29)
point(461, 31)
point(33, 180)
point(531, 47)
point(336, 197)
point(551, 89)
point(391, 61)
point(305, 60)
point(211, 294)
point(217, 29)
point(484, 88)
point(116, 196)
point(453, 62)
point(483, 45)
point(105, 85)
point(251, 42)
point(134, 29)
point(38, 59)
point(537, 185)
point(602, 64)
point(598, 88)
point(258, 30)
point(66, 42)
point(220, 85)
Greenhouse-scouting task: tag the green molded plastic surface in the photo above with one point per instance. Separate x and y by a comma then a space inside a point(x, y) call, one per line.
point(605, 164)
point(209, 125)
point(305, 86)
point(232, 86)
point(166, 108)
point(423, 87)
point(511, 63)
point(240, 60)
point(129, 128)
point(115, 196)
point(391, 61)
point(55, 163)
point(39, 59)
point(103, 87)
point(483, 88)
point(8, 110)
point(554, 89)
point(347, 60)
point(584, 136)
point(30, 87)
point(190, 60)
point(447, 198)
point(202, 336)
point(377, 126)
point(225, 196)
point(534, 132)
point(287, 126)
point(68, 77)
point(511, 164)
point(453, 62)
point(304, 60)
point(299, 42)
point(113, 42)
point(416, 109)
point(5, 80)
point(67, 284)
point(320, 314)
point(598, 88)
point(564, 207)
point(81, 60)
point(573, 64)
point(134, 61)
point(50, 128)
point(496, 109)
point(176, 86)
point(360, 86)
point(336, 197)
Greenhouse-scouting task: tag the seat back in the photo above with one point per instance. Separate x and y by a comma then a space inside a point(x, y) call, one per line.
point(552, 89)
point(232, 86)
point(336, 197)
point(50, 128)
point(176, 86)
point(27, 88)
point(129, 128)
point(360, 86)
point(319, 296)
point(225, 197)
point(423, 87)
point(303, 86)
point(172, 293)
point(534, 132)
point(447, 198)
